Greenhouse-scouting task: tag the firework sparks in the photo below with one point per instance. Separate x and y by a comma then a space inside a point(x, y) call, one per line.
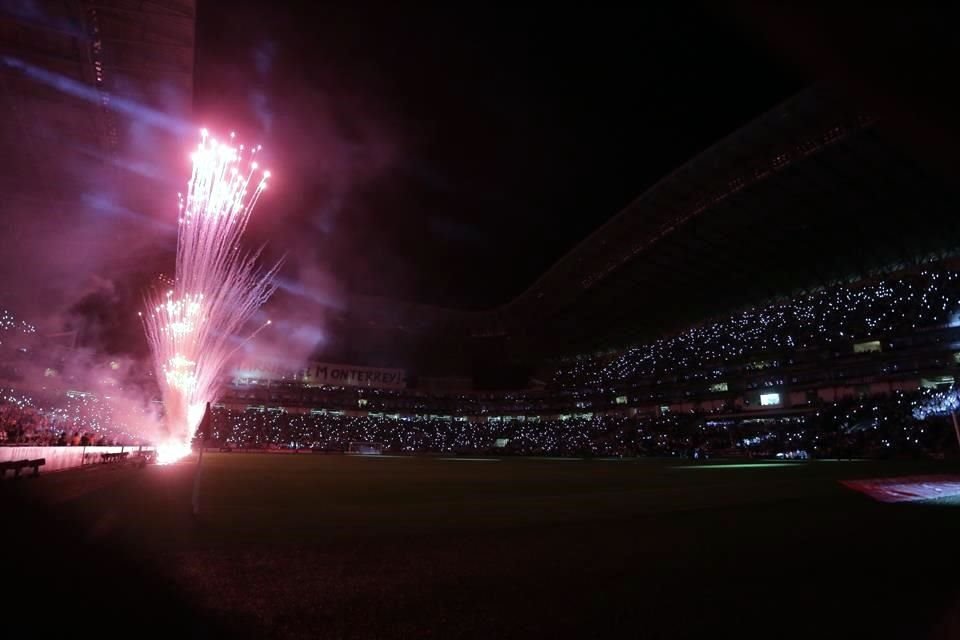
point(216, 291)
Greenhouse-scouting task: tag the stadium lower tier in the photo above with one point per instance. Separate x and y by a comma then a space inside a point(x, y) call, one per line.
point(884, 426)
point(899, 423)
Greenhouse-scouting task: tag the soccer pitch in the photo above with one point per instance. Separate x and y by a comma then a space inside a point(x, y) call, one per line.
point(446, 547)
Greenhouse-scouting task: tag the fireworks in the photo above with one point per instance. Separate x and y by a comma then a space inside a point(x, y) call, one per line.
point(216, 290)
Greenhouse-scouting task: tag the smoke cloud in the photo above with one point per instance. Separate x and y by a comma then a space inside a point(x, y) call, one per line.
point(89, 213)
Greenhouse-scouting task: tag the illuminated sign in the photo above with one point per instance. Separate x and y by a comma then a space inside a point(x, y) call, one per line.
point(867, 347)
point(769, 399)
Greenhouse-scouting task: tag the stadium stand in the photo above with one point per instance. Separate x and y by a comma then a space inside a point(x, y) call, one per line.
point(835, 317)
point(792, 377)
point(599, 330)
point(880, 426)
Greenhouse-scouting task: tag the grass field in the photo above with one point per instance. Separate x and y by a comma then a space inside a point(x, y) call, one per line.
point(427, 547)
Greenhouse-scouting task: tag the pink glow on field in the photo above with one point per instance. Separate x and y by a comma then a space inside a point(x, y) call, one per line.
point(907, 488)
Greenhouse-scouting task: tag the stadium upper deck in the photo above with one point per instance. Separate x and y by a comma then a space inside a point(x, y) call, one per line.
point(812, 193)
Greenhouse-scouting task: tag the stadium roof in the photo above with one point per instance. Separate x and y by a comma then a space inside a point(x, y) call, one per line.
point(818, 189)
point(811, 192)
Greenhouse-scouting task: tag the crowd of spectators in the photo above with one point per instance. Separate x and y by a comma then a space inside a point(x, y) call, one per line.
point(409, 434)
point(881, 426)
point(840, 314)
point(420, 421)
point(77, 419)
point(20, 421)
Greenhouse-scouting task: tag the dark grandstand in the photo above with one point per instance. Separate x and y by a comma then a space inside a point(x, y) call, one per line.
point(734, 227)
point(694, 418)
point(768, 276)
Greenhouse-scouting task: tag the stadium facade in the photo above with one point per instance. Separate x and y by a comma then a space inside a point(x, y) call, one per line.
point(814, 196)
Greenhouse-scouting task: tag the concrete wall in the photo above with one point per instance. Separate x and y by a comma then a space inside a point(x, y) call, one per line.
point(60, 458)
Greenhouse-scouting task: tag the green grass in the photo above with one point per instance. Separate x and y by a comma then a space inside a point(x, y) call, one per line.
point(338, 546)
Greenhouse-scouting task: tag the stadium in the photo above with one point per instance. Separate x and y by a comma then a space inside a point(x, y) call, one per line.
point(722, 404)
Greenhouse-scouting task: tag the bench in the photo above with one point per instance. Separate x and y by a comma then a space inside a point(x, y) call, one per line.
point(114, 457)
point(19, 465)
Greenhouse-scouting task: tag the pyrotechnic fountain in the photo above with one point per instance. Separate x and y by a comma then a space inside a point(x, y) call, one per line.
point(191, 328)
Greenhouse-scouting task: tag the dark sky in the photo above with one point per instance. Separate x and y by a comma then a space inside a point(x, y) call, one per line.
point(449, 155)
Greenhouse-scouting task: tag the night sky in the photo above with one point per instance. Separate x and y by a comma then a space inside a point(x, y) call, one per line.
point(433, 154)
point(450, 155)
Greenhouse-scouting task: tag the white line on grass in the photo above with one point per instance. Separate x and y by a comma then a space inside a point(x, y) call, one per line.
point(374, 456)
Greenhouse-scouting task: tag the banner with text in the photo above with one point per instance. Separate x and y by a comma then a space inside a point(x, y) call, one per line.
point(350, 376)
